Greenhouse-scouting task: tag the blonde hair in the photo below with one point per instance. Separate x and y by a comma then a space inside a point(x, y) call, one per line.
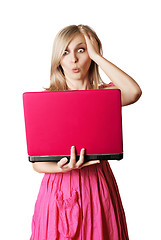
point(62, 39)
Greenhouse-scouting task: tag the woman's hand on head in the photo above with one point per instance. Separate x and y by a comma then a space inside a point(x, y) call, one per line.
point(73, 164)
point(92, 45)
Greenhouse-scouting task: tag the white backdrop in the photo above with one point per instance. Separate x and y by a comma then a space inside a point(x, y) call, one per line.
point(129, 31)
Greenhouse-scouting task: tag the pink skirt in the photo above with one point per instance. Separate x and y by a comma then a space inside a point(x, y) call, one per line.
point(82, 204)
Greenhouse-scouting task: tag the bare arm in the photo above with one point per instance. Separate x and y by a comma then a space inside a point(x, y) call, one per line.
point(45, 167)
point(130, 90)
point(62, 165)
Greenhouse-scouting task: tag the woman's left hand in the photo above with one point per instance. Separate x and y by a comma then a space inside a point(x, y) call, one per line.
point(92, 45)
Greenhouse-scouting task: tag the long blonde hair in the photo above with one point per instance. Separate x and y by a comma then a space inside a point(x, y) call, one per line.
point(62, 39)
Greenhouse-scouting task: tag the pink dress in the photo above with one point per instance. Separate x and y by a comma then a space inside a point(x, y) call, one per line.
point(82, 204)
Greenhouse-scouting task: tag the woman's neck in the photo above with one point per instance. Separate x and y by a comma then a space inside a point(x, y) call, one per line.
point(78, 84)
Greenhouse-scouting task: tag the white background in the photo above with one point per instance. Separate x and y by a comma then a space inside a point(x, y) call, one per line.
point(129, 31)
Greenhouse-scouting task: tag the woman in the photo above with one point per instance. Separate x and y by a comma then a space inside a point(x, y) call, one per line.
point(80, 200)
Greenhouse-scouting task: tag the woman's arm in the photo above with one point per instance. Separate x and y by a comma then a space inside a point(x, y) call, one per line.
point(46, 167)
point(130, 90)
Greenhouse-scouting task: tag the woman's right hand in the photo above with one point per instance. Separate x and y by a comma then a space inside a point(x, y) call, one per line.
point(73, 164)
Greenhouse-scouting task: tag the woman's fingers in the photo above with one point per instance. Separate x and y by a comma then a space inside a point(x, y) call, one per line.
point(81, 158)
point(80, 163)
point(90, 163)
point(62, 162)
point(92, 45)
point(72, 158)
point(71, 165)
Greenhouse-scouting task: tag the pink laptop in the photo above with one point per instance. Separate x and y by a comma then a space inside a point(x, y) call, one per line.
point(57, 120)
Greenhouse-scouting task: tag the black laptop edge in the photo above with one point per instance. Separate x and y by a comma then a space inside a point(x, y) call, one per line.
point(56, 158)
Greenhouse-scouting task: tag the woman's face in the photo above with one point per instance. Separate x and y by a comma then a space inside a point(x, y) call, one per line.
point(75, 61)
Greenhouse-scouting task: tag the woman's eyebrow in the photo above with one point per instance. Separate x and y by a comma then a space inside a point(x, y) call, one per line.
point(77, 45)
point(80, 43)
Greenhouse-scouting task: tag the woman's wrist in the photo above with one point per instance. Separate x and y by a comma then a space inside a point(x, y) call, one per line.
point(97, 57)
point(46, 167)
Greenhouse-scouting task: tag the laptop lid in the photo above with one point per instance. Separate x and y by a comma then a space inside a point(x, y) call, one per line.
point(57, 120)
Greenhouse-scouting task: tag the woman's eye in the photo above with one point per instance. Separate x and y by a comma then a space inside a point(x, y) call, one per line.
point(65, 52)
point(81, 50)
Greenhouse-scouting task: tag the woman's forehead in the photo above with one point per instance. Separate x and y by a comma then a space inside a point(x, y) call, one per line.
point(77, 40)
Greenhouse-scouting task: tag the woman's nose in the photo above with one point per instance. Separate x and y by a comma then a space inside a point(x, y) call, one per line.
point(74, 57)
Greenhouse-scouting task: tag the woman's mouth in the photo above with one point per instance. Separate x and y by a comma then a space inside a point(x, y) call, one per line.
point(75, 70)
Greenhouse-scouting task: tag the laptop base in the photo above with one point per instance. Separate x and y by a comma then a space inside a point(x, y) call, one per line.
point(117, 156)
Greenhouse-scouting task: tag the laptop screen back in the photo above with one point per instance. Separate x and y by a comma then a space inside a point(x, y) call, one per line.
point(57, 120)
